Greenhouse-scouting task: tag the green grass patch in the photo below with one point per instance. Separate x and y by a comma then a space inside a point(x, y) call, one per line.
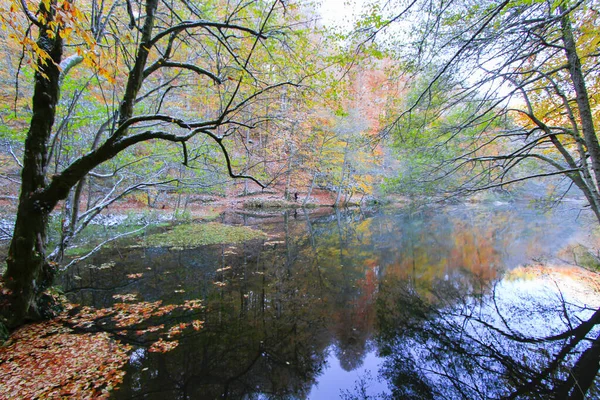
point(584, 258)
point(78, 251)
point(93, 235)
point(209, 215)
point(193, 235)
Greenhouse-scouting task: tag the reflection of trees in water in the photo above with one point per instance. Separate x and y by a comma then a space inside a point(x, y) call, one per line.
point(317, 286)
point(267, 330)
point(351, 338)
point(465, 345)
point(353, 313)
point(263, 333)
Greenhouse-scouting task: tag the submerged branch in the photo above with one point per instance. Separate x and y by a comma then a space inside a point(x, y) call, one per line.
point(98, 247)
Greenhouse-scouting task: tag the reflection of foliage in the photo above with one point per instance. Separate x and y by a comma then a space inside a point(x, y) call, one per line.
point(255, 335)
point(194, 235)
point(314, 286)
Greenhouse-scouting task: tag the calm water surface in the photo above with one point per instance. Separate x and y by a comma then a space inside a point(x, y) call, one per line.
point(355, 305)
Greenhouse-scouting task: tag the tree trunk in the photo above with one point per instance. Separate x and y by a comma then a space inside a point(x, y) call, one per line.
point(582, 98)
point(341, 186)
point(72, 214)
point(288, 179)
point(348, 198)
point(310, 188)
point(582, 375)
point(69, 225)
point(248, 154)
point(28, 274)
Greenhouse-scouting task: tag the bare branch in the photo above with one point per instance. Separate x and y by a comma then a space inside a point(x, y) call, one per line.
point(169, 64)
point(10, 150)
point(501, 184)
point(98, 247)
point(204, 24)
point(32, 18)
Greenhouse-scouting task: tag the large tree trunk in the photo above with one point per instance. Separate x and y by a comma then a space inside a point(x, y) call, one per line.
point(581, 97)
point(28, 273)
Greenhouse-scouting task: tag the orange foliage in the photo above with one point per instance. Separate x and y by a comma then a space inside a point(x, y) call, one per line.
point(473, 250)
point(51, 360)
point(162, 346)
point(48, 360)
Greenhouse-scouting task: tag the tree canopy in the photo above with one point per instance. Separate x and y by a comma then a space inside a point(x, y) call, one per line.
point(506, 93)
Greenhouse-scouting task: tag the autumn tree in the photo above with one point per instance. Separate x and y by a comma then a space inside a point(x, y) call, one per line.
point(139, 55)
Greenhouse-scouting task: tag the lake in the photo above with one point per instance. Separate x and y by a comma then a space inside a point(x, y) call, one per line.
point(369, 304)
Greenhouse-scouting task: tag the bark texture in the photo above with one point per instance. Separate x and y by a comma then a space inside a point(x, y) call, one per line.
point(28, 273)
point(581, 97)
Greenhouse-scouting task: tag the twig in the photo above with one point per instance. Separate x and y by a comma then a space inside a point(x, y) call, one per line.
point(97, 248)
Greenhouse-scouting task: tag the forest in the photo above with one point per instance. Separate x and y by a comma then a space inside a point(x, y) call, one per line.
point(267, 199)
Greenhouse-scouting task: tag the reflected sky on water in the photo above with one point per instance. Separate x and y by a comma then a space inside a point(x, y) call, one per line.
point(357, 304)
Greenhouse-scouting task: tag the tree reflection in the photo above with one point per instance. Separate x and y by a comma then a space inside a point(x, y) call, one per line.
point(464, 344)
point(423, 289)
point(255, 339)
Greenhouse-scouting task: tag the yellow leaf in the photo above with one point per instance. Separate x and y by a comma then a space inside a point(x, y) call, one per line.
point(65, 33)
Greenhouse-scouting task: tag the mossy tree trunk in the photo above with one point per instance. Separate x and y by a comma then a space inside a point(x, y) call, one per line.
point(28, 273)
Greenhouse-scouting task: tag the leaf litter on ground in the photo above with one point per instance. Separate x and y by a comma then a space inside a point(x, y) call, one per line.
point(82, 353)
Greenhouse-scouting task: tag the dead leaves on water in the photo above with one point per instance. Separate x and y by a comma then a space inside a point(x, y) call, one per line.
point(82, 353)
point(49, 360)
point(162, 346)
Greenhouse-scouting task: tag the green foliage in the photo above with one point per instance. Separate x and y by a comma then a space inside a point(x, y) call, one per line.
point(434, 141)
point(194, 235)
point(499, 97)
point(584, 258)
point(183, 215)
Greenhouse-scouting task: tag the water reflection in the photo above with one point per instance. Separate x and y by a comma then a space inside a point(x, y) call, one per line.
point(414, 299)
